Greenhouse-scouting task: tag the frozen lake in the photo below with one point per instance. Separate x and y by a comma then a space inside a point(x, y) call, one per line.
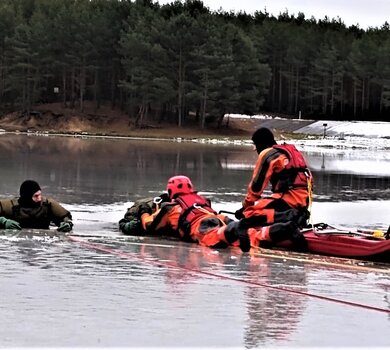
point(103, 289)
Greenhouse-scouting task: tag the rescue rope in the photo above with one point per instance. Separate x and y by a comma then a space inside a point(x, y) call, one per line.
point(310, 206)
point(124, 255)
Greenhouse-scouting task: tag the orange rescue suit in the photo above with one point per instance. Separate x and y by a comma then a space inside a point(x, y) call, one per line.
point(284, 167)
point(205, 227)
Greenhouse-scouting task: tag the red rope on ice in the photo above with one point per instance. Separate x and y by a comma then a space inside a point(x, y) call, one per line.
point(121, 254)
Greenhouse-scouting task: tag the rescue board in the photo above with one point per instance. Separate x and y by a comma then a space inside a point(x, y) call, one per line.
point(328, 240)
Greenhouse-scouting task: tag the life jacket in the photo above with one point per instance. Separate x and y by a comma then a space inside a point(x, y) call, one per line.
point(193, 206)
point(295, 175)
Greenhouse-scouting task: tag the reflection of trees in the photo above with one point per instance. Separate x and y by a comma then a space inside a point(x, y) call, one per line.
point(271, 312)
point(112, 170)
point(338, 187)
point(75, 170)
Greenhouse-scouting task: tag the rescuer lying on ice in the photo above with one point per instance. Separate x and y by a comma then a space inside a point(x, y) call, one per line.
point(188, 215)
point(277, 217)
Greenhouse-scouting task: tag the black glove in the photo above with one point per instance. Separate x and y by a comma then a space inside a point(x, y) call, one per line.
point(239, 213)
point(299, 241)
point(165, 197)
point(303, 220)
point(143, 208)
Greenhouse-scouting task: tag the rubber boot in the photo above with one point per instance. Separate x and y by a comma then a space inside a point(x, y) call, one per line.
point(288, 231)
point(230, 232)
point(238, 230)
point(298, 239)
point(243, 236)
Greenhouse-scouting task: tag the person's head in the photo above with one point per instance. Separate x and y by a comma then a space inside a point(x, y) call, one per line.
point(30, 193)
point(179, 185)
point(263, 138)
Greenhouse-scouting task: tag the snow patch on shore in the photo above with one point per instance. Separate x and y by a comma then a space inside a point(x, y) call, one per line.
point(327, 134)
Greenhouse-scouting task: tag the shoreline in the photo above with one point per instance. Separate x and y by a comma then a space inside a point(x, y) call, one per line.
point(307, 142)
point(303, 134)
point(194, 139)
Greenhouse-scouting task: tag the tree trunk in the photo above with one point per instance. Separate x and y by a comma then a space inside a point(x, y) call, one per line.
point(64, 87)
point(296, 91)
point(82, 83)
point(113, 86)
point(180, 92)
point(204, 102)
point(280, 89)
point(332, 93)
point(139, 117)
point(363, 94)
point(73, 88)
point(95, 89)
point(342, 96)
point(354, 99)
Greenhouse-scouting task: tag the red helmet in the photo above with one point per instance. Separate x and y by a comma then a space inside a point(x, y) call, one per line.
point(179, 185)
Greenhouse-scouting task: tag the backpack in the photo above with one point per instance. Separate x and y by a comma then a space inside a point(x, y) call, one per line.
point(131, 215)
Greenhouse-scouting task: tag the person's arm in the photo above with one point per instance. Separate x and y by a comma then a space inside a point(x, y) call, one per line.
point(129, 225)
point(60, 216)
point(166, 217)
point(270, 161)
point(5, 216)
point(9, 224)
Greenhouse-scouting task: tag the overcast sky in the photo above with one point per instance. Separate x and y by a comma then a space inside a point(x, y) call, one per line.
point(365, 13)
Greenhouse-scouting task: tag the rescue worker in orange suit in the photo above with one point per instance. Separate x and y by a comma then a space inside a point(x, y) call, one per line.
point(280, 215)
point(192, 216)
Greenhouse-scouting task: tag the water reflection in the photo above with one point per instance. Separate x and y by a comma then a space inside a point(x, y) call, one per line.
point(273, 313)
point(336, 187)
point(350, 176)
point(104, 171)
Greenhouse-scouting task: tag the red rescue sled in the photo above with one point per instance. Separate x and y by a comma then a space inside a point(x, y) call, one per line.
point(327, 240)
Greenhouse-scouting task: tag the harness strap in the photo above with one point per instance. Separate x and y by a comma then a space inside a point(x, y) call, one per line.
point(309, 207)
point(184, 225)
point(201, 208)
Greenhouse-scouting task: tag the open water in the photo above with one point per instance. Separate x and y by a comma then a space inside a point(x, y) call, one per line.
point(99, 288)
